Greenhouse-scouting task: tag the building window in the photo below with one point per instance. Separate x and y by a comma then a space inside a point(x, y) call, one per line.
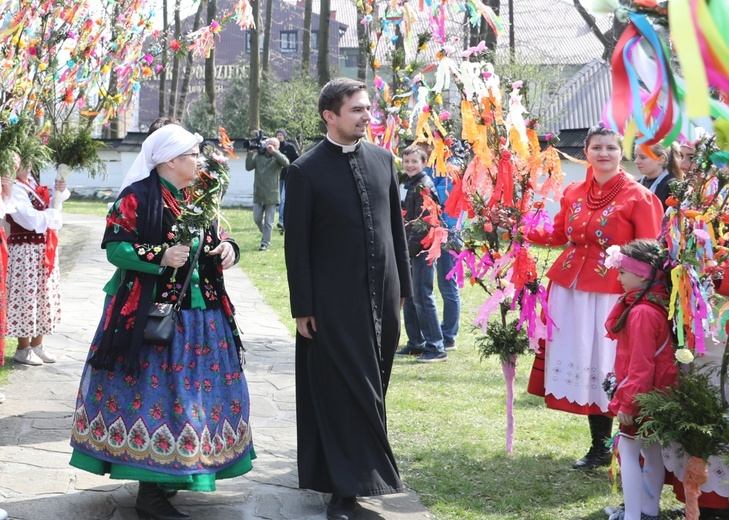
point(248, 41)
point(314, 40)
point(350, 60)
point(289, 42)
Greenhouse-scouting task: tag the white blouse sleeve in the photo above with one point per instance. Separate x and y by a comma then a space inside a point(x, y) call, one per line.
point(29, 217)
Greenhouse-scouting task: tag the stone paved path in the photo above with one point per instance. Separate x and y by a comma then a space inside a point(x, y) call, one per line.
point(36, 482)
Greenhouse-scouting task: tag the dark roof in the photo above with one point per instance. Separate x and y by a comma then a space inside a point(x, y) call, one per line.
point(579, 102)
point(572, 142)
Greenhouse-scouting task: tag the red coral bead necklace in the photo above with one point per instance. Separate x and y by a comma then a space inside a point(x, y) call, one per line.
point(600, 201)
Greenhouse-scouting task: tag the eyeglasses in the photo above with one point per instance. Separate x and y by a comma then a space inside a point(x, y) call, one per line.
point(196, 155)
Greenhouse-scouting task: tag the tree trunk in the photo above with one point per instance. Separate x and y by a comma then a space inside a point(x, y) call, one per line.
point(608, 39)
point(174, 82)
point(163, 73)
point(486, 33)
point(254, 100)
point(512, 36)
point(265, 62)
point(210, 64)
point(400, 53)
point(306, 43)
point(113, 130)
point(322, 62)
point(180, 107)
point(363, 48)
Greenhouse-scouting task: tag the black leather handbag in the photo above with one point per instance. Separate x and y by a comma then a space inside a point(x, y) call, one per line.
point(161, 320)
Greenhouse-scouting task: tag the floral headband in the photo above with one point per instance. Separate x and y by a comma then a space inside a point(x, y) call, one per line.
point(617, 260)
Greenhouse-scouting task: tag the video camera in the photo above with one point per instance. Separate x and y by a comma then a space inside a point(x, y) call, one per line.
point(257, 143)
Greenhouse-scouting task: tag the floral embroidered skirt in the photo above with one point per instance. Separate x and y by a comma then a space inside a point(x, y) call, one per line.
point(34, 296)
point(183, 423)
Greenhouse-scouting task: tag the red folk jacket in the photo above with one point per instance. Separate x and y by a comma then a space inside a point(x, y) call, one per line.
point(634, 213)
point(644, 357)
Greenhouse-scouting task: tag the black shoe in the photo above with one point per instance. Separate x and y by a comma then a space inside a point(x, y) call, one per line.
point(341, 508)
point(169, 493)
point(708, 513)
point(152, 504)
point(595, 457)
point(407, 350)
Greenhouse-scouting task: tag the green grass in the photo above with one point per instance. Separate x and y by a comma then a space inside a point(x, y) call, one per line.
point(10, 346)
point(447, 420)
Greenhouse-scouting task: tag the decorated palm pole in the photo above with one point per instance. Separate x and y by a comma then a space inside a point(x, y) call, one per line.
point(664, 107)
point(504, 168)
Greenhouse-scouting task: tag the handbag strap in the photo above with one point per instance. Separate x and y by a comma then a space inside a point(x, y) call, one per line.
point(189, 272)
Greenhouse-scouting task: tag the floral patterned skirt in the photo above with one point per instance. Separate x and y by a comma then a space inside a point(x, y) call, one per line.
point(34, 296)
point(183, 422)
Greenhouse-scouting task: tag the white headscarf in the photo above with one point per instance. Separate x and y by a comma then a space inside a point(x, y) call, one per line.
point(163, 145)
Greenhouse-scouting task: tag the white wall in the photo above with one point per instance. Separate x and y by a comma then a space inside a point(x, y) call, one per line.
point(574, 172)
point(240, 192)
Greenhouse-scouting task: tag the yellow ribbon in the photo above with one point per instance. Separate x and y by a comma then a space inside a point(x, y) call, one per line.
point(684, 37)
point(719, 49)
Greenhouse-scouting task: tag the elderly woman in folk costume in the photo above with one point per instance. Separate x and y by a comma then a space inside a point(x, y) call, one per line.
point(33, 282)
point(171, 417)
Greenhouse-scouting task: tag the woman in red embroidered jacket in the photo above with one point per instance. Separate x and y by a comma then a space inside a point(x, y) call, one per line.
point(607, 208)
point(644, 361)
point(33, 283)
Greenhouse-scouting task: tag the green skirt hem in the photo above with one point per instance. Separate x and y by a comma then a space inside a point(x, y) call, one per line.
point(193, 482)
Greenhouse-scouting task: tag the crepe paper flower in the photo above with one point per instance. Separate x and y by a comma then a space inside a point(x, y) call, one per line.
point(684, 355)
point(175, 45)
point(225, 142)
point(444, 116)
point(702, 234)
point(613, 257)
point(148, 58)
point(474, 50)
point(243, 15)
point(376, 64)
point(517, 85)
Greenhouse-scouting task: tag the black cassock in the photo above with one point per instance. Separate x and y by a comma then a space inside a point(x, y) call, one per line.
point(347, 263)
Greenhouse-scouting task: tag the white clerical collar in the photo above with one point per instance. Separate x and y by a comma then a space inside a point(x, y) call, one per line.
point(346, 148)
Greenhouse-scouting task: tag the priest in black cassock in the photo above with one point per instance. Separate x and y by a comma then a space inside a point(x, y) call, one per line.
point(348, 273)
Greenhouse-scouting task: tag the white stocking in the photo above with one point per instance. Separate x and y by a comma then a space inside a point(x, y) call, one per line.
point(631, 475)
point(641, 488)
point(653, 474)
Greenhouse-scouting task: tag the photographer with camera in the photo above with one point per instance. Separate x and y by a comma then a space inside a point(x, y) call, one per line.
point(266, 163)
